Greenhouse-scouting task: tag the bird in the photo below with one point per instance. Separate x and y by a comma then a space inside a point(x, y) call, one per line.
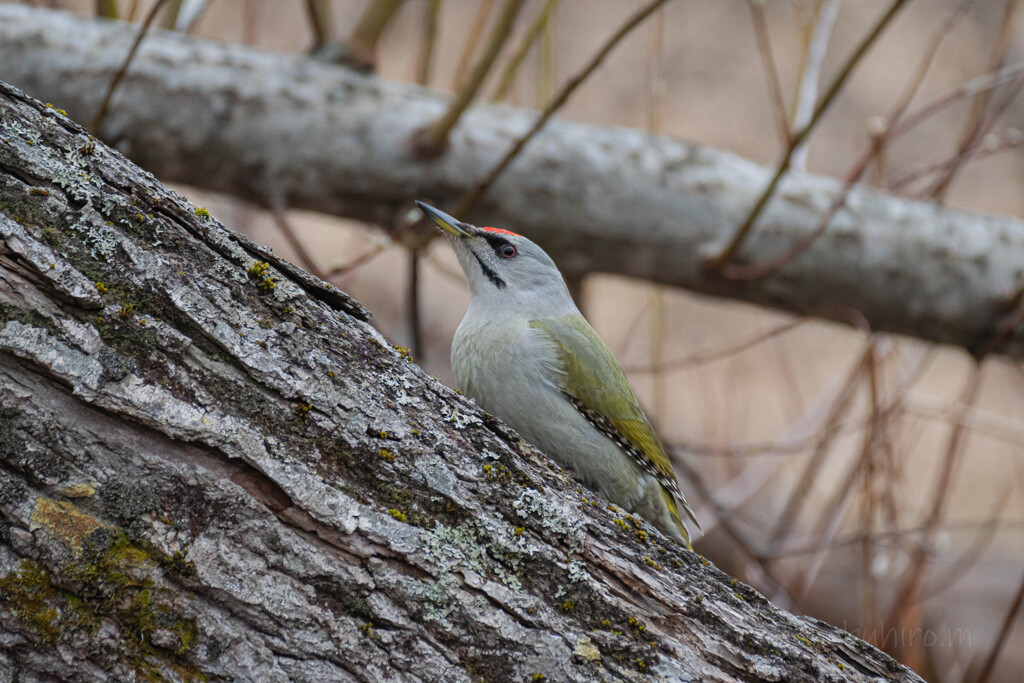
point(524, 353)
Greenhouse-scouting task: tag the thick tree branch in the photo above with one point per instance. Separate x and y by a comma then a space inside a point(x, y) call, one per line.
point(260, 126)
point(212, 468)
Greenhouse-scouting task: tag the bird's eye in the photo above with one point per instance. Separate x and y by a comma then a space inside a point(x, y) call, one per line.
point(507, 251)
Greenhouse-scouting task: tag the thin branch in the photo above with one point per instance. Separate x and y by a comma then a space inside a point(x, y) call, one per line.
point(908, 593)
point(729, 527)
point(525, 43)
point(412, 297)
point(320, 22)
point(426, 60)
point(715, 264)
point(101, 113)
point(1004, 634)
point(883, 134)
point(361, 260)
point(170, 15)
point(563, 95)
point(415, 253)
point(547, 63)
point(292, 238)
point(974, 130)
point(250, 22)
point(189, 14)
point(476, 31)
point(799, 493)
point(807, 90)
point(106, 9)
point(702, 357)
point(771, 71)
point(362, 41)
point(875, 430)
point(987, 146)
point(433, 139)
point(655, 99)
point(892, 534)
point(970, 555)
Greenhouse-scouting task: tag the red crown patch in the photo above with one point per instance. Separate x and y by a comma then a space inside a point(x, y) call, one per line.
point(502, 232)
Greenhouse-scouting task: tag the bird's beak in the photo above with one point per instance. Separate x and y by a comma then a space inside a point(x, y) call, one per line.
point(447, 223)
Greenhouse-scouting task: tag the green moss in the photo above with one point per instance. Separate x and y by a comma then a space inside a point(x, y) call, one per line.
point(259, 272)
point(397, 514)
point(301, 411)
point(568, 606)
point(202, 212)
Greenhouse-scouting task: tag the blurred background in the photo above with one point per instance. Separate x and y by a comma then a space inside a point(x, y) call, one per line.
point(872, 481)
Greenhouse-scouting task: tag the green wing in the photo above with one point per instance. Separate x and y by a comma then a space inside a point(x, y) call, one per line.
point(595, 384)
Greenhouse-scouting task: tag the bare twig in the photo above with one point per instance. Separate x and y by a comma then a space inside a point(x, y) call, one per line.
point(974, 130)
point(373, 252)
point(908, 593)
point(519, 54)
point(433, 139)
point(771, 71)
point(990, 144)
point(189, 14)
point(1004, 634)
point(729, 252)
point(807, 89)
point(170, 15)
point(852, 539)
point(320, 22)
point(970, 555)
point(290, 236)
point(547, 65)
point(362, 41)
point(765, 574)
point(101, 113)
point(882, 135)
point(560, 98)
point(106, 9)
point(412, 298)
point(799, 493)
point(702, 357)
point(426, 60)
point(250, 22)
point(476, 31)
point(875, 430)
point(656, 92)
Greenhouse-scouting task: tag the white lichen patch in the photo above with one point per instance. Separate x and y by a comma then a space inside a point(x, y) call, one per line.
point(578, 572)
point(459, 418)
point(457, 549)
point(555, 514)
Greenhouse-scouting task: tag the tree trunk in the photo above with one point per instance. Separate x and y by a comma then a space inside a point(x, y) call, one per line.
point(281, 130)
point(213, 468)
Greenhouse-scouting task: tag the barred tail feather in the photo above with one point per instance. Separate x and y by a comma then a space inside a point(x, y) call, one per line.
point(677, 519)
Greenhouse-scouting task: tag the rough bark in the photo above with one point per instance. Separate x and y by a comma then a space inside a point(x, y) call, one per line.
point(273, 128)
point(212, 469)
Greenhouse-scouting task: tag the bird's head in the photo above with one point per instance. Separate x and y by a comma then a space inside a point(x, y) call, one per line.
point(502, 268)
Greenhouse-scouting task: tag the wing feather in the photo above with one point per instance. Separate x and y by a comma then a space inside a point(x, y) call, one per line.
point(595, 384)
